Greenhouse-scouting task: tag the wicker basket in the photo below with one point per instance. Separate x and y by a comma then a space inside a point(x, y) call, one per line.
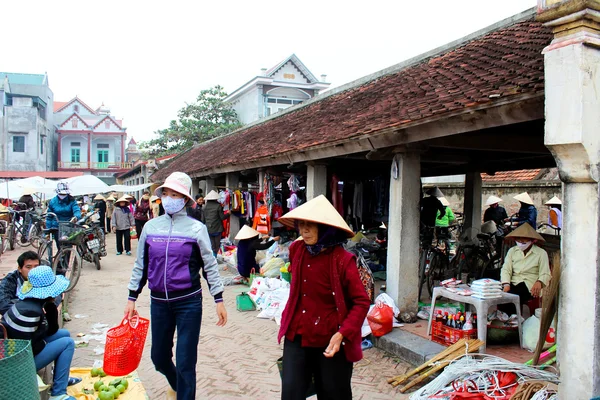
point(17, 369)
point(69, 233)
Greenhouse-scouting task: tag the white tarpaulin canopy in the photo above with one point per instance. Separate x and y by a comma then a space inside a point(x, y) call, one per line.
point(128, 189)
point(14, 189)
point(85, 184)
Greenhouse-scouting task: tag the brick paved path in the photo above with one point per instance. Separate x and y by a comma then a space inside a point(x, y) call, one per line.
point(234, 362)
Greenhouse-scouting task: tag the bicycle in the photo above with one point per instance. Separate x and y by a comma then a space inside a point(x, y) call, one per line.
point(36, 229)
point(18, 228)
point(67, 261)
point(3, 240)
point(439, 269)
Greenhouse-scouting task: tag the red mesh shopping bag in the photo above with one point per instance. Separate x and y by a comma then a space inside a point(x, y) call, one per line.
point(381, 319)
point(125, 345)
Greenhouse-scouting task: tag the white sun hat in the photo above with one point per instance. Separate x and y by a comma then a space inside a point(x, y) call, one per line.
point(492, 200)
point(524, 198)
point(179, 182)
point(246, 233)
point(318, 210)
point(554, 201)
point(212, 195)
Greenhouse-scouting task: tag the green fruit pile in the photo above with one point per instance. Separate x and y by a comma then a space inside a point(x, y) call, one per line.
point(97, 372)
point(111, 391)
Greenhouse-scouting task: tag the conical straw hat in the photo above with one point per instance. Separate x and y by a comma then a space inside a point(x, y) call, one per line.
point(99, 197)
point(444, 202)
point(524, 198)
point(492, 200)
point(29, 191)
point(122, 199)
point(110, 198)
point(246, 233)
point(526, 231)
point(554, 200)
point(318, 210)
point(435, 191)
point(212, 195)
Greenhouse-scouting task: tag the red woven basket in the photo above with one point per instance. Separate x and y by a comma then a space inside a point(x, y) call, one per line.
point(125, 345)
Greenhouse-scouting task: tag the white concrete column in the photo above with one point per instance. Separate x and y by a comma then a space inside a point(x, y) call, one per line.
point(209, 185)
point(261, 180)
point(195, 186)
point(316, 180)
point(472, 206)
point(572, 133)
point(232, 181)
point(403, 231)
point(202, 186)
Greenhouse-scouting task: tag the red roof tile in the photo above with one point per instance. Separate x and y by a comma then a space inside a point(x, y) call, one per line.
point(505, 62)
point(512, 176)
point(59, 104)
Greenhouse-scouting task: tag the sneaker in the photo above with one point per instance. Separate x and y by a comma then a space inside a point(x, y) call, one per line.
point(128, 253)
point(73, 381)
point(366, 344)
point(62, 397)
point(119, 253)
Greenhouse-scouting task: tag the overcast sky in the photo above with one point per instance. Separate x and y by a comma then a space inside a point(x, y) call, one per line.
point(145, 59)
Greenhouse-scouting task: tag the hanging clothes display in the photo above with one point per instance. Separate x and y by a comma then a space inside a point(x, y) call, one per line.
point(262, 220)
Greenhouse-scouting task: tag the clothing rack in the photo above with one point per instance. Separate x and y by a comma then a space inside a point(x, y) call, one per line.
point(239, 187)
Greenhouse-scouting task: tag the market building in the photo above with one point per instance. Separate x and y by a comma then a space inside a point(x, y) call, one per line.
point(517, 95)
point(27, 135)
point(92, 141)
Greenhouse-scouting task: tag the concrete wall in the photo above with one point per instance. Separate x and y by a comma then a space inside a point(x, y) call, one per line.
point(247, 106)
point(23, 121)
point(540, 192)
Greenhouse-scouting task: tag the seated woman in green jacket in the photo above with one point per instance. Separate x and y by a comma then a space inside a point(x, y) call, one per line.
point(442, 224)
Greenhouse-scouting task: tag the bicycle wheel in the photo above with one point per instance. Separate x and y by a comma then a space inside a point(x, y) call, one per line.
point(438, 269)
point(11, 236)
point(22, 238)
point(68, 263)
point(422, 270)
point(476, 262)
point(34, 235)
point(43, 253)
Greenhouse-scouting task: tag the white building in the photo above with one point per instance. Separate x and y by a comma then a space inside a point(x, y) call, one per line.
point(286, 84)
point(27, 137)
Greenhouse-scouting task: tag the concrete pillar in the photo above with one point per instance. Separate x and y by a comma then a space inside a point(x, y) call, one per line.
point(316, 180)
point(195, 186)
point(232, 181)
point(403, 231)
point(209, 185)
point(472, 206)
point(202, 186)
point(261, 180)
point(572, 133)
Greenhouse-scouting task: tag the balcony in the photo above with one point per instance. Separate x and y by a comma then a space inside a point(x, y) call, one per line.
point(117, 166)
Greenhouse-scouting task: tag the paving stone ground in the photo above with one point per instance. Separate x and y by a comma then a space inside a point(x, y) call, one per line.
point(234, 362)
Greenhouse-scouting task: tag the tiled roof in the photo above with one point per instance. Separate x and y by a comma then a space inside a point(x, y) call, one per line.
point(492, 68)
point(43, 174)
point(59, 104)
point(512, 176)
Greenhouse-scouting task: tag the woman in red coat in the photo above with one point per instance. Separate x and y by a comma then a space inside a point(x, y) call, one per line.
point(328, 304)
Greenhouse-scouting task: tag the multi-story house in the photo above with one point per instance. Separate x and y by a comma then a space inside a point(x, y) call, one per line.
point(90, 140)
point(286, 84)
point(27, 136)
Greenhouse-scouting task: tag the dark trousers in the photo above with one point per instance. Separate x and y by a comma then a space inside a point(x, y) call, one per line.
point(185, 316)
point(332, 376)
point(215, 242)
point(524, 296)
point(123, 234)
point(139, 225)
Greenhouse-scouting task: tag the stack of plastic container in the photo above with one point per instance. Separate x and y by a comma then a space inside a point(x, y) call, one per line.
point(486, 289)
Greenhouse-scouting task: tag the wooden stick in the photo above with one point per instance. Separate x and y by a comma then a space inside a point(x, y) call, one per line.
point(549, 307)
point(458, 345)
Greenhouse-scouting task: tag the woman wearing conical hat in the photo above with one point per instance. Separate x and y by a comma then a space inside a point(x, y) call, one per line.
point(321, 323)
point(527, 212)
point(555, 213)
point(249, 243)
point(526, 269)
point(495, 212)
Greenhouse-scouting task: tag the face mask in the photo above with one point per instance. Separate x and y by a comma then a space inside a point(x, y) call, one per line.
point(62, 196)
point(172, 205)
point(523, 245)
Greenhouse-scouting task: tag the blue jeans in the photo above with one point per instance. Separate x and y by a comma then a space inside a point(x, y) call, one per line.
point(185, 316)
point(59, 348)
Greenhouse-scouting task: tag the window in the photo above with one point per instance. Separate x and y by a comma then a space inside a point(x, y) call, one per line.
point(102, 158)
point(102, 146)
point(75, 144)
point(76, 108)
point(42, 145)
point(19, 144)
point(74, 122)
point(75, 155)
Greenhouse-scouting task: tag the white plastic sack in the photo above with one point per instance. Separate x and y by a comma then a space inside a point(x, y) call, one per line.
point(274, 304)
point(531, 333)
point(384, 297)
point(272, 267)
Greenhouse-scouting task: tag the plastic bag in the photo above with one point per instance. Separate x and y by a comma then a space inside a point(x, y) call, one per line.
point(384, 297)
point(531, 333)
point(381, 319)
point(274, 303)
point(272, 267)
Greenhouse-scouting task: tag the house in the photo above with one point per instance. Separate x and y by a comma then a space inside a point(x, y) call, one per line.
point(286, 84)
point(27, 137)
point(90, 140)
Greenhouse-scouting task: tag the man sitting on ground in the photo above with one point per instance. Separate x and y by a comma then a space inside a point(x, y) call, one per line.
point(12, 282)
point(526, 268)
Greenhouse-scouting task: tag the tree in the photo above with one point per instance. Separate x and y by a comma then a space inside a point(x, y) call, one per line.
point(207, 118)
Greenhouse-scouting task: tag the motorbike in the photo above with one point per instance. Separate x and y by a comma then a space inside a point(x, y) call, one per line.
point(92, 247)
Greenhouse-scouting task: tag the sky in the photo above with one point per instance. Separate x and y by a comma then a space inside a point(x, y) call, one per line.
point(146, 59)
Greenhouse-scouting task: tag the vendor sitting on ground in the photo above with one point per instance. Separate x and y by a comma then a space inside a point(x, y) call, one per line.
point(35, 317)
point(526, 269)
point(12, 282)
point(249, 243)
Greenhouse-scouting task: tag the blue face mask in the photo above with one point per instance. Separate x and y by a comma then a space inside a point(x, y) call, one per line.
point(172, 205)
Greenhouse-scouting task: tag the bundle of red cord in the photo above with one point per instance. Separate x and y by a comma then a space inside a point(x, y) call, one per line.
point(503, 388)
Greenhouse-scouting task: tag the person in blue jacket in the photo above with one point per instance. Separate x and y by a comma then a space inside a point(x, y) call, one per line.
point(527, 212)
point(64, 206)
